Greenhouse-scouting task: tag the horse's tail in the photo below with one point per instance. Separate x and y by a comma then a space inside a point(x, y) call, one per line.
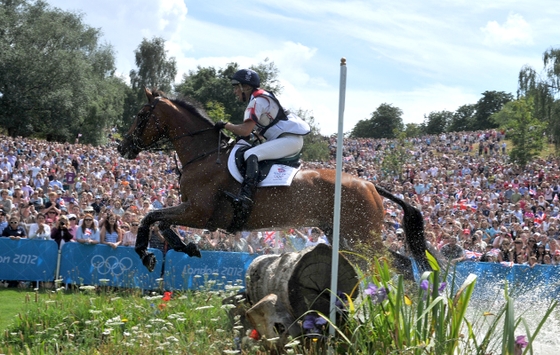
point(413, 225)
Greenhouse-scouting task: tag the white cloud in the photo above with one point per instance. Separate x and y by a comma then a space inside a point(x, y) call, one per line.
point(515, 31)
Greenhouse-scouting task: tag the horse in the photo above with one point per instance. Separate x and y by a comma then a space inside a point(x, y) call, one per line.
point(204, 179)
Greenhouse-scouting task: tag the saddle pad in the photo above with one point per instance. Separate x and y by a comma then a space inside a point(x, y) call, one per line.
point(279, 175)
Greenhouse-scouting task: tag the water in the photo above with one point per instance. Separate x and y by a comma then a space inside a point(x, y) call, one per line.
point(532, 293)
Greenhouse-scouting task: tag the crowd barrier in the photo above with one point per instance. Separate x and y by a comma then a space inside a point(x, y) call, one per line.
point(80, 264)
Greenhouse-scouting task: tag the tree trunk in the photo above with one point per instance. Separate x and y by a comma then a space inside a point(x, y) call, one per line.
point(301, 280)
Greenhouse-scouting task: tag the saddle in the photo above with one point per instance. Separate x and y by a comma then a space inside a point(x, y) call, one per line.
point(265, 165)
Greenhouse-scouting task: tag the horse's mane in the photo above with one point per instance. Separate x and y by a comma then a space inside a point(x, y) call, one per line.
point(188, 104)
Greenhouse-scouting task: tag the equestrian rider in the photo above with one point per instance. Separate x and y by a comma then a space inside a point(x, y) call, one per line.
point(283, 131)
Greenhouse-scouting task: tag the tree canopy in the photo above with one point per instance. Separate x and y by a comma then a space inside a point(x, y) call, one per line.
point(523, 129)
point(544, 90)
point(54, 75)
point(212, 88)
point(384, 123)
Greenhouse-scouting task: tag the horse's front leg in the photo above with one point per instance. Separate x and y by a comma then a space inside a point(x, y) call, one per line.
point(182, 214)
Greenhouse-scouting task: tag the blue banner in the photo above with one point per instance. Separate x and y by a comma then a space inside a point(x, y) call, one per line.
point(27, 259)
point(216, 269)
point(102, 265)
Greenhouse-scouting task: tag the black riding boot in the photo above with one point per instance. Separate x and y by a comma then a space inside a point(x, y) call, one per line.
point(243, 202)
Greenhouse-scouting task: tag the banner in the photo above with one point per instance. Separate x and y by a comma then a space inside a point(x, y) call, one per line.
point(102, 265)
point(27, 259)
point(216, 270)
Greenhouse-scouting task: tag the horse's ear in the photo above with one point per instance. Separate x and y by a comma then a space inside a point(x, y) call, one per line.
point(149, 95)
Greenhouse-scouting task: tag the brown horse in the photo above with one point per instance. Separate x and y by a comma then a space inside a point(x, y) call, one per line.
point(308, 201)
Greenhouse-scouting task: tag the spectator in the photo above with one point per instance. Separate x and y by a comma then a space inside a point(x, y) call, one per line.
point(87, 232)
point(60, 234)
point(157, 241)
point(110, 233)
point(453, 251)
point(14, 230)
point(240, 244)
point(3, 221)
point(129, 238)
point(315, 238)
point(40, 230)
point(6, 202)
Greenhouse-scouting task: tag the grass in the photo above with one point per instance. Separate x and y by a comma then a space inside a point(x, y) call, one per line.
point(11, 302)
point(383, 316)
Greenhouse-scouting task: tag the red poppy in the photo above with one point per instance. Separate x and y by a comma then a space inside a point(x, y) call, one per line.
point(167, 296)
point(254, 335)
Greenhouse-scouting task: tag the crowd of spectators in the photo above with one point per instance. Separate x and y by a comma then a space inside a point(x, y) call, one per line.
point(476, 204)
point(91, 195)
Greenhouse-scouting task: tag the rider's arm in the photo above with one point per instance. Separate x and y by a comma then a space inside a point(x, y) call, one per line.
point(241, 130)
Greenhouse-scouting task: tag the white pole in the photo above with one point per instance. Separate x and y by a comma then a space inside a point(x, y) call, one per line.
point(337, 193)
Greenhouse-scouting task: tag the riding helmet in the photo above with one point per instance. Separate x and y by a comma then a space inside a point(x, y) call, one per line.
point(246, 76)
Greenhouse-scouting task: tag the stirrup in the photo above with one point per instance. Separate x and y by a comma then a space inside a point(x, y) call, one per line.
point(237, 199)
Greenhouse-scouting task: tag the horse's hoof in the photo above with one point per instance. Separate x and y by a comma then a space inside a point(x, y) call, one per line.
point(192, 250)
point(149, 261)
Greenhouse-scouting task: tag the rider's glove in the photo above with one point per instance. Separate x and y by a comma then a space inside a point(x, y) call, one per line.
point(220, 125)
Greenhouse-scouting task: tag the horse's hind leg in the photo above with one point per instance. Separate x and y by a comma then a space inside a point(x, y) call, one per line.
point(176, 243)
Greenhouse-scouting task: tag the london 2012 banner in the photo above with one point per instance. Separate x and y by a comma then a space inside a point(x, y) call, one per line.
point(102, 265)
point(215, 269)
point(27, 259)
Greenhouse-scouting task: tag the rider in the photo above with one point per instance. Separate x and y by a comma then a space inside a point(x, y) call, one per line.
point(283, 131)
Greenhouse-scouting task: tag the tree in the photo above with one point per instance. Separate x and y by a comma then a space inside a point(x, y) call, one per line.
point(544, 90)
point(490, 103)
point(52, 71)
point(383, 123)
point(210, 86)
point(523, 129)
point(155, 70)
point(315, 145)
point(462, 119)
point(397, 156)
point(437, 121)
point(414, 130)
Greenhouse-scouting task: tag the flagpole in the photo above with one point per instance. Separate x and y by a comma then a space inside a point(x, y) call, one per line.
point(337, 197)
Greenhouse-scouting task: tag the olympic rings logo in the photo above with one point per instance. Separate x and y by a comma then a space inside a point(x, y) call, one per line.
point(112, 265)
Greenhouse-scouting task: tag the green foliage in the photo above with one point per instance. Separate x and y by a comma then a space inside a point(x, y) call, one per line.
point(462, 119)
point(437, 122)
point(384, 122)
point(413, 130)
point(211, 85)
point(396, 158)
point(490, 103)
point(155, 70)
point(544, 90)
point(52, 71)
point(523, 129)
point(216, 111)
point(315, 146)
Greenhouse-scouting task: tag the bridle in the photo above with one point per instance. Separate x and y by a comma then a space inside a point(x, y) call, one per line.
point(159, 144)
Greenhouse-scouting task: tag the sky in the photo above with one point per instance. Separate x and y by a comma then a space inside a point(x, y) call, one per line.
point(420, 56)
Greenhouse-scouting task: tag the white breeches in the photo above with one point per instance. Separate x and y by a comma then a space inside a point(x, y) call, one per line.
point(280, 147)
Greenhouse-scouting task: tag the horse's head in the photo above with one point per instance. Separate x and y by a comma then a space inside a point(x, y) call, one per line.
point(145, 131)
